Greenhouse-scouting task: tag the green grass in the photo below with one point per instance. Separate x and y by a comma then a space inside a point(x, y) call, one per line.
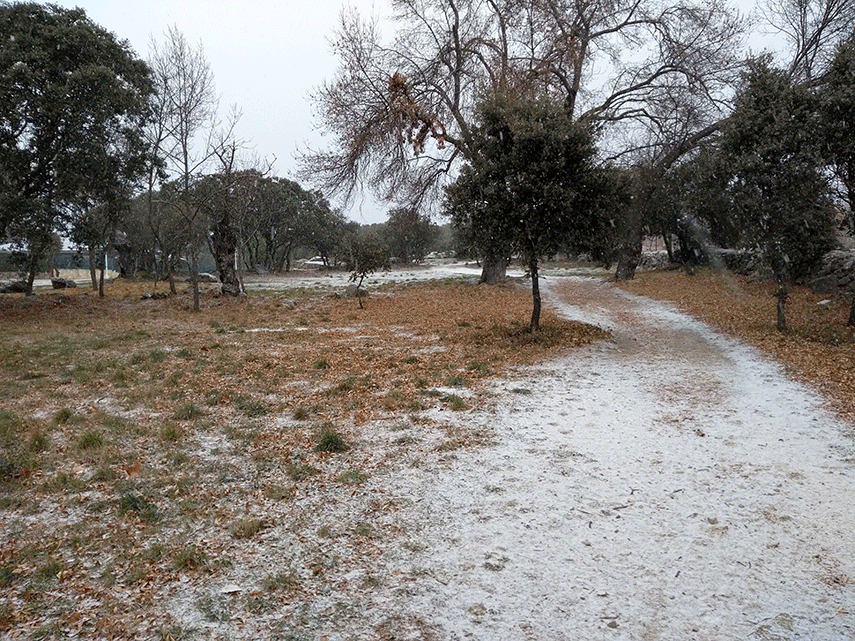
point(455, 403)
point(187, 412)
point(329, 440)
point(301, 471)
point(190, 558)
point(352, 477)
point(455, 381)
point(91, 440)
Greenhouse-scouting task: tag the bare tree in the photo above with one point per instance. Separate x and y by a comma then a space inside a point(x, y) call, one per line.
point(188, 107)
point(813, 30)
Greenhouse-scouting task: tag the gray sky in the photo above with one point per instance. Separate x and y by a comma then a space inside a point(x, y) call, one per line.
point(265, 57)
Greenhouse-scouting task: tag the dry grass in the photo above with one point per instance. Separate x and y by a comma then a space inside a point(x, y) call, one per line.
point(144, 445)
point(818, 348)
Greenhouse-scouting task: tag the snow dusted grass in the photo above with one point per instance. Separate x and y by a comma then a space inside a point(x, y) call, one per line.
point(164, 474)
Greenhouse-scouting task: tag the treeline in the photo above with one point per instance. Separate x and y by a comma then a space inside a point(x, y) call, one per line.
point(275, 221)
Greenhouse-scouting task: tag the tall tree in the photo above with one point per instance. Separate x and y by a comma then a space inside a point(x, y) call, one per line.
point(73, 101)
point(532, 181)
point(604, 60)
point(183, 78)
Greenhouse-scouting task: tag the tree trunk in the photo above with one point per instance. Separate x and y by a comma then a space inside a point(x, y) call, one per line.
point(851, 321)
point(31, 272)
point(782, 294)
point(225, 250)
point(630, 248)
point(494, 268)
point(535, 296)
point(194, 277)
point(101, 280)
point(93, 275)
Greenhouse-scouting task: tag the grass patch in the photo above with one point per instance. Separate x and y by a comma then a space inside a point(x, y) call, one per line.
point(188, 412)
point(352, 477)
point(91, 440)
point(455, 381)
point(329, 440)
point(250, 407)
point(189, 558)
point(455, 403)
point(301, 471)
point(300, 413)
point(135, 503)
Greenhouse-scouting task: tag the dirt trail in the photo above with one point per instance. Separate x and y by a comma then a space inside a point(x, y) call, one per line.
point(672, 484)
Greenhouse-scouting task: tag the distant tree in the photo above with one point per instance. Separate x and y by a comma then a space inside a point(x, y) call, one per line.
point(409, 234)
point(73, 101)
point(532, 182)
point(771, 156)
point(323, 229)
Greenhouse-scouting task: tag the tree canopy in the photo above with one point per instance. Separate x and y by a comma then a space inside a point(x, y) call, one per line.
point(532, 184)
point(73, 101)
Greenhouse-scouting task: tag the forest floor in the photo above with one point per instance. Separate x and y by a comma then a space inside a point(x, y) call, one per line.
point(291, 466)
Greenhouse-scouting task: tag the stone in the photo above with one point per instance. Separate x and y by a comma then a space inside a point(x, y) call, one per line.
point(62, 283)
point(353, 291)
point(13, 287)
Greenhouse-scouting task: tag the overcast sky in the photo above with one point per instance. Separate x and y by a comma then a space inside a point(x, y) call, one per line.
point(265, 56)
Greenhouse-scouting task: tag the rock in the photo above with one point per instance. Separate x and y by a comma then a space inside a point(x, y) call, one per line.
point(353, 291)
point(13, 287)
point(62, 283)
point(205, 277)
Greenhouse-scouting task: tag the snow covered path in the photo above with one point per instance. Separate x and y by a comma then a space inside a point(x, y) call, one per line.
point(672, 484)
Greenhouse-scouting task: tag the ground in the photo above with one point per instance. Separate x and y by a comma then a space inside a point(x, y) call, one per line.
point(639, 477)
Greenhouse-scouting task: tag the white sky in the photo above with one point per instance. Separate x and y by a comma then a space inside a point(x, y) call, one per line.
point(266, 57)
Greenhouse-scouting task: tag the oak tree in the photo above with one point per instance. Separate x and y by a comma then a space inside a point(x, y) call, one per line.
point(73, 100)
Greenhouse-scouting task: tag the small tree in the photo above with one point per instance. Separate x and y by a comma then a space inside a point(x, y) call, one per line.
point(366, 255)
point(771, 155)
point(532, 183)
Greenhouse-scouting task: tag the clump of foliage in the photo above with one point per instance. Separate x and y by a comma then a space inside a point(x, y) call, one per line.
point(770, 162)
point(329, 440)
point(365, 255)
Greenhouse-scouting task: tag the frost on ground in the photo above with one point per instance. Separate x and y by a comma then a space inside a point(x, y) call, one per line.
point(672, 484)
